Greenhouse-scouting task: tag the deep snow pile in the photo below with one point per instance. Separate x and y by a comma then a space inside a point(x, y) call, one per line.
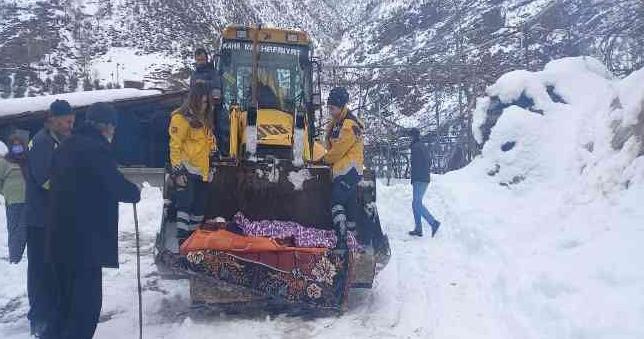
point(554, 253)
point(563, 182)
point(572, 121)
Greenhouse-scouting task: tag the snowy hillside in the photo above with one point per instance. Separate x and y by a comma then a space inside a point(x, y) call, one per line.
point(67, 45)
point(446, 44)
point(541, 240)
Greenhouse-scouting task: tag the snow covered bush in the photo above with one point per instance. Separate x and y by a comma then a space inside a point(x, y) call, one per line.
point(574, 112)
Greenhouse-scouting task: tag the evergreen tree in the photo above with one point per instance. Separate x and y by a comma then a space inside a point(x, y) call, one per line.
point(97, 84)
point(87, 84)
point(5, 84)
point(73, 83)
point(19, 85)
point(59, 84)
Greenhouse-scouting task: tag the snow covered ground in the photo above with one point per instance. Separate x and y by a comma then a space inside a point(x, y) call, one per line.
point(562, 271)
point(555, 253)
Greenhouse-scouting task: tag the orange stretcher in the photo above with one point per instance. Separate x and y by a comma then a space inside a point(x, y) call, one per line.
point(222, 240)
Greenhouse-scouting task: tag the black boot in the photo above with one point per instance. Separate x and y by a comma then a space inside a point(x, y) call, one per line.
point(340, 225)
point(435, 228)
point(416, 232)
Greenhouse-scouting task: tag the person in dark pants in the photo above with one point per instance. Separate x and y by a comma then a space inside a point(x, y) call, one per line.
point(420, 176)
point(12, 186)
point(82, 235)
point(192, 147)
point(58, 126)
point(345, 153)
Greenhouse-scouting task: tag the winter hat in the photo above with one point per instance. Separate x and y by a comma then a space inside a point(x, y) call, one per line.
point(338, 97)
point(60, 108)
point(200, 51)
point(102, 113)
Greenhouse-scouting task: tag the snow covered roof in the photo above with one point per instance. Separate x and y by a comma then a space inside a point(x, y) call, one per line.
point(9, 107)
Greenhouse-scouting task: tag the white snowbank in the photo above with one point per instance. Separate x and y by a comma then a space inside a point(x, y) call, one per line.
point(593, 132)
point(561, 210)
point(76, 99)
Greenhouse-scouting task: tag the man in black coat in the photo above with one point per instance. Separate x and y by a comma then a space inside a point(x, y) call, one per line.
point(420, 174)
point(58, 126)
point(82, 236)
point(206, 73)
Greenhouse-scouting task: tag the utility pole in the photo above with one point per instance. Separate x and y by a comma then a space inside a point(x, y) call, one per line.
point(461, 59)
point(437, 113)
point(526, 51)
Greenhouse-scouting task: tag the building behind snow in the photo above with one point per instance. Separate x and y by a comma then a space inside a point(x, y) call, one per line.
point(141, 141)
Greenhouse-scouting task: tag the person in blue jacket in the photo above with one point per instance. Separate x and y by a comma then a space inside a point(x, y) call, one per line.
point(420, 177)
point(58, 126)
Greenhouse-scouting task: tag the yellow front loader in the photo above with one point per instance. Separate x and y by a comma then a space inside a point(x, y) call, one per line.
point(268, 172)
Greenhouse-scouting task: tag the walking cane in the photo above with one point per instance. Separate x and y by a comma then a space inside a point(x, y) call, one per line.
point(138, 270)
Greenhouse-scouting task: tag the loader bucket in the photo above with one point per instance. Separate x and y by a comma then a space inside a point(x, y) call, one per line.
point(272, 191)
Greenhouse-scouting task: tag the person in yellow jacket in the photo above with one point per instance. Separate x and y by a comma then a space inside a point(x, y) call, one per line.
point(345, 153)
point(192, 147)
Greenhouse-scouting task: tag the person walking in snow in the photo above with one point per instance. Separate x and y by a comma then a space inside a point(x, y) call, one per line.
point(345, 147)
point(420, 176)
point(58, 126)
point(192, 147)
point(12, 187)
point(82, 233)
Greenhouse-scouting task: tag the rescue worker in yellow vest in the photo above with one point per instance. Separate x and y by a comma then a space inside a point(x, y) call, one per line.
point(345, 153)
point(192, 147)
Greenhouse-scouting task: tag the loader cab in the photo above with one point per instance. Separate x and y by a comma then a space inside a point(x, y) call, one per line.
point(270, 72)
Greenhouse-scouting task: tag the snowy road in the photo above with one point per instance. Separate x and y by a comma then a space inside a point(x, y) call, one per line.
point(462, 284)
point(429, 289)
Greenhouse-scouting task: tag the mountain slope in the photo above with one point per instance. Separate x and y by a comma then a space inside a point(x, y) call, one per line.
point(443, 45)
point(47, 47)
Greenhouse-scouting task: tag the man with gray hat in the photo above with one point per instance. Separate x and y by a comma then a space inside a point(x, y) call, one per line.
point(58, 126)
point(82, 233)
